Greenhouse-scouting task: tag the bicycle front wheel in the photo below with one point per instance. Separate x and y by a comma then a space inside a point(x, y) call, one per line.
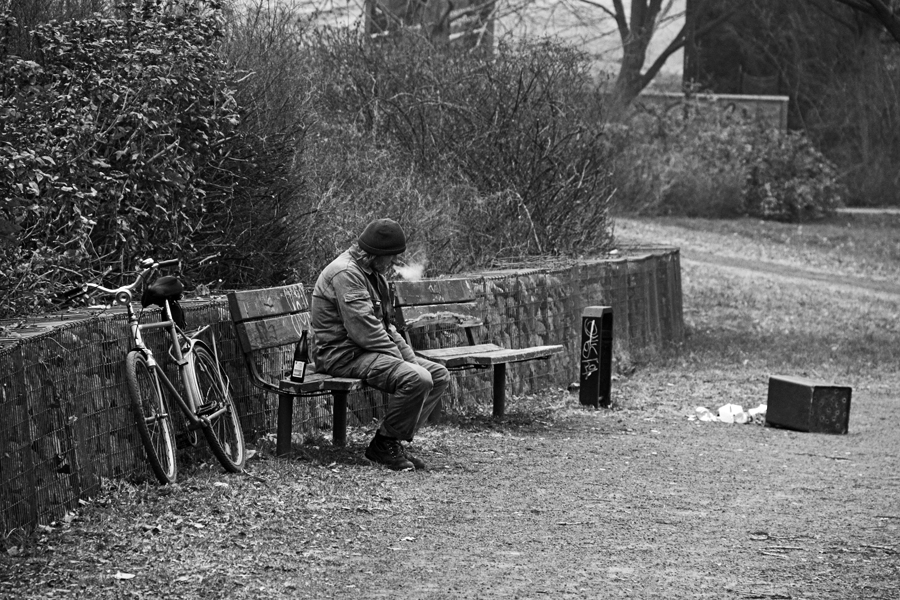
point(224, 434)
point(151, 411)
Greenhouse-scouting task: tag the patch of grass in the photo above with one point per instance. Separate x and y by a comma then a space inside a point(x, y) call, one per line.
point(742, 328)
point(867, 246)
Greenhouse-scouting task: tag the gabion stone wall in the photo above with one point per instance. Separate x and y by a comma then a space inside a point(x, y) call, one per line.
point(65, 420)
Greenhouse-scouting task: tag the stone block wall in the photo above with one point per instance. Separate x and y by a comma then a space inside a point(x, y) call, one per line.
point(65, 418)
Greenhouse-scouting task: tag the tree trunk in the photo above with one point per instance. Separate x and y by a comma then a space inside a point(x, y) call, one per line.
point(635, 41)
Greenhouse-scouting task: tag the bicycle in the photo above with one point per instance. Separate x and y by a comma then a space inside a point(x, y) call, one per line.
point(207, 405)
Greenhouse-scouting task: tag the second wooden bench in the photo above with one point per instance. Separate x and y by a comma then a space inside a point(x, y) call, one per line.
point(452, 302)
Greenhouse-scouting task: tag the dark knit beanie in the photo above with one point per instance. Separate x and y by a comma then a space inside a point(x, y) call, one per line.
point(382, 237)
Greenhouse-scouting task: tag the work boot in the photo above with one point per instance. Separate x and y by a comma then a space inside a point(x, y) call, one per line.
point(417, 462)
point(389, 453)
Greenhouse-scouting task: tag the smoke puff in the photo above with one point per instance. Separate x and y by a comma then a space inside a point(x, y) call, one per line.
point(410, 272)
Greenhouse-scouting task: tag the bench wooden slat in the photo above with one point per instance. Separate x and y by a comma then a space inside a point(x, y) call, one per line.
point(462, 315)
point(486, 355)
point(273, 332)
point(257, 304)
point(414, 293)
point(317, 382)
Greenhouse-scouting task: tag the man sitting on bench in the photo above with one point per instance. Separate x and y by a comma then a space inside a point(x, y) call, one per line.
point(353, 336)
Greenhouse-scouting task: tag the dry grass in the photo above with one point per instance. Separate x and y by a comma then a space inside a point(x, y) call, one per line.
point(743, 326)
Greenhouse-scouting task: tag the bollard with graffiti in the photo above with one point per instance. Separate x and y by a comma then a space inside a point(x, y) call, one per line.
point(596, 355)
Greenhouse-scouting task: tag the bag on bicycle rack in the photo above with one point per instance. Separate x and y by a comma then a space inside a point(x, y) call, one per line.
point(165, 288)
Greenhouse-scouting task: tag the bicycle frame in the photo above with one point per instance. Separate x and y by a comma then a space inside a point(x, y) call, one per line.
point(182, 358)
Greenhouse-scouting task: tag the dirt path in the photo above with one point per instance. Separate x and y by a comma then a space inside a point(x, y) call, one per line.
point(557, 501)
point(790, 274)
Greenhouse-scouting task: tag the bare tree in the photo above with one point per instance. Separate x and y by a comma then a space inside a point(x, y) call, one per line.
point(637, 25)
point(886, 12)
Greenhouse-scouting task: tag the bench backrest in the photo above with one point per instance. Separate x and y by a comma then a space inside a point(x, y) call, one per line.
point(270, 317)
point(419, 304)
point(274, 317)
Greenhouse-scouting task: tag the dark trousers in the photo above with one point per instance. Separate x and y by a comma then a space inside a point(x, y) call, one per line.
point(414, 389)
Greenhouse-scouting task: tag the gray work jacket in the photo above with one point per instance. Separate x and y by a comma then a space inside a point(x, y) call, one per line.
point(350, 316)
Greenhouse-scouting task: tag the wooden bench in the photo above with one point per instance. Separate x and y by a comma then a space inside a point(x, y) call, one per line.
point(272, 318)
point(451, 302)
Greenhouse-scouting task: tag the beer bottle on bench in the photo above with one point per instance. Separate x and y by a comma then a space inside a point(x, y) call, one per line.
point(301, 359)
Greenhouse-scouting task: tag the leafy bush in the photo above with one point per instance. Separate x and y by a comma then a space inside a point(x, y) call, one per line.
point(113, 143)
point(125, 138)
point(790, 180)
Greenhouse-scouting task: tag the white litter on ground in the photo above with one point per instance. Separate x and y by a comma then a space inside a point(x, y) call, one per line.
point(730, 413)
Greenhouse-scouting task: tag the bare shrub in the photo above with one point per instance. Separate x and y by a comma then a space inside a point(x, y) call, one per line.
point(699, 159)
point(687, 159)
point(513, 126)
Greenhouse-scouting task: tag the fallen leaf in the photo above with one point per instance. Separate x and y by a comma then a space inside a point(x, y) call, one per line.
point(121, 575)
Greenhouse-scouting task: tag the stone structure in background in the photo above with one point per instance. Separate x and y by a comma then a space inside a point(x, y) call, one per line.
point(769, 110)
point(469, 23)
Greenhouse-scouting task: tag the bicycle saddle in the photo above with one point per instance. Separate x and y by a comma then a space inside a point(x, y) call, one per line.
point(165, 288)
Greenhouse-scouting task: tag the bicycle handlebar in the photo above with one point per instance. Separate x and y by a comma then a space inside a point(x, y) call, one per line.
point(122, 294)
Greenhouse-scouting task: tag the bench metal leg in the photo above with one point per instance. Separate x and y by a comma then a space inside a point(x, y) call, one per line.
point(499, 389)
point(339, 418)
point(285, 424)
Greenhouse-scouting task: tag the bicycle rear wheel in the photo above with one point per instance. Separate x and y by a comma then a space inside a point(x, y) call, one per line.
point(151, 411)
point(224, 434)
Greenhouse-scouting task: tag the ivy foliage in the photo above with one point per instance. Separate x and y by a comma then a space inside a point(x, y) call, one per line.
point(789, 179)
point(112, 143)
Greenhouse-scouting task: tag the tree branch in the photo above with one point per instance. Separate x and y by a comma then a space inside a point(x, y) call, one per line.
point(621, 21)
point(881, 11)
point(657, 64)
point(678, 43)
point(858, 5)
point(828, 13)
point(600, 6)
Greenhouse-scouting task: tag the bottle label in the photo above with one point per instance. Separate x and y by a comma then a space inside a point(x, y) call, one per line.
point(299, 371)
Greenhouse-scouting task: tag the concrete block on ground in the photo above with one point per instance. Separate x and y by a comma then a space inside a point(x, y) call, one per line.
point(808, 405)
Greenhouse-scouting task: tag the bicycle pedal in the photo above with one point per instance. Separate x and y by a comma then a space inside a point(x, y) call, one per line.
point(206, 409)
